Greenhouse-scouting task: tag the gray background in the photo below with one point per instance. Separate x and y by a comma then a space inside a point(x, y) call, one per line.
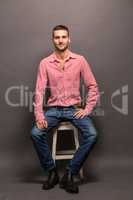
point(102, 32)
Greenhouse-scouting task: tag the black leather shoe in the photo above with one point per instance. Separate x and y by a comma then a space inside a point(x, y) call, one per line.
point(52, 180)
point(68, 184)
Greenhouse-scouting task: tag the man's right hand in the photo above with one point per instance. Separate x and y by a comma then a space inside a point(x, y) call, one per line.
point(42, 124)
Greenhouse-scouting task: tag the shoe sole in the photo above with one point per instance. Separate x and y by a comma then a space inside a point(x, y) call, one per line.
point(72, 192)
point(67, 190)
point(52, 186)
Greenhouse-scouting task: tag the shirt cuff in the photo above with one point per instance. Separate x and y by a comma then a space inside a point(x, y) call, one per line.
point(87, 111)
point(40, 117)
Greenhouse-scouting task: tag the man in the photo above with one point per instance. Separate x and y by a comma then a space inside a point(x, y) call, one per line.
point(61, 72)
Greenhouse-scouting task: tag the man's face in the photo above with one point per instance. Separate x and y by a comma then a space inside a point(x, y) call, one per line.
point(61, 40)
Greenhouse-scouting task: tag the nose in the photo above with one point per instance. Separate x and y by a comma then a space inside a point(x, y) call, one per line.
point(60, 40)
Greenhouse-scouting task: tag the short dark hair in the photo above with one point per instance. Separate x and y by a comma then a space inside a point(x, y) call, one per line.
point(60, 27)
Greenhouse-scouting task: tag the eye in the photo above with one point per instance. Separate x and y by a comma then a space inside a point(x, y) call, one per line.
point(56, 37)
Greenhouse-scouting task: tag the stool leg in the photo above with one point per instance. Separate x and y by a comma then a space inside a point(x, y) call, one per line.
point(77, 145)
point(54, 145)
point(81, 173)
point(76, 140)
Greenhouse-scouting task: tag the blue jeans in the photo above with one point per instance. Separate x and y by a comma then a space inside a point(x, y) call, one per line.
point(54, 115)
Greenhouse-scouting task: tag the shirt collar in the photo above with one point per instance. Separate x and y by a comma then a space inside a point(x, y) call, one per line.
point(54, 58)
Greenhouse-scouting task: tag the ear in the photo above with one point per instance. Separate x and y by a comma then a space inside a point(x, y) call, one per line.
point(69, 40)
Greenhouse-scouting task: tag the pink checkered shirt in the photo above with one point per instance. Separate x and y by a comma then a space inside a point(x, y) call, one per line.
point(64, 83)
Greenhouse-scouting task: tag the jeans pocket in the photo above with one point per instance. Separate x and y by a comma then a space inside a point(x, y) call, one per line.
point(51, 112)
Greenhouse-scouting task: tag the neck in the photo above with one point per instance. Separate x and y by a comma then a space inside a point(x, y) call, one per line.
point(62, 55)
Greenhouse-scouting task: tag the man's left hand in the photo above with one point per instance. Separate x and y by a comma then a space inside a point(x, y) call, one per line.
point(80, 113)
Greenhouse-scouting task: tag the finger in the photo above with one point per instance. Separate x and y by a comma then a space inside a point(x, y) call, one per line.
point(41, 124)
point(77, 112)
point(77, 116)
point(80, 115)
point(38, 125)
point(45, 124)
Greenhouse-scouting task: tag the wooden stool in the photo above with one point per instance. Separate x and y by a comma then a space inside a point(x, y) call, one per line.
point(65, 154)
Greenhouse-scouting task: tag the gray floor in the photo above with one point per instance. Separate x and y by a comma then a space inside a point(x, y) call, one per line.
point(111, 180)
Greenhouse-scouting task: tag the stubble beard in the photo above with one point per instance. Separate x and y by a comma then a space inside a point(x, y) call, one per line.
point(61, 50)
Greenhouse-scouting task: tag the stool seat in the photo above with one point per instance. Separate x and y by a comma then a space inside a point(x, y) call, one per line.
point(65, 154)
